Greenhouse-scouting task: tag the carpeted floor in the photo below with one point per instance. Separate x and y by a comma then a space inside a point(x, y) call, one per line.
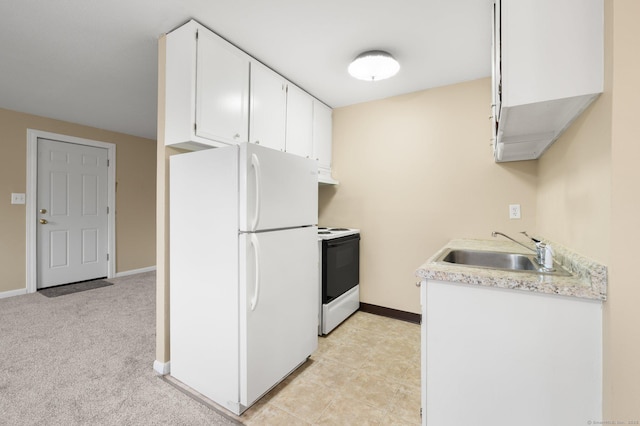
point(86, 359)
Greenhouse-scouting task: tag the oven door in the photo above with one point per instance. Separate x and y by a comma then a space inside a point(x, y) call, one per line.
point(340, 266)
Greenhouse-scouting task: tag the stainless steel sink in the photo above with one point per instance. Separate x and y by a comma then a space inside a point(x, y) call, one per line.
point(497, 260)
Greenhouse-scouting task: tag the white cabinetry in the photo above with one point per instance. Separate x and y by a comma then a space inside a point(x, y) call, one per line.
point(548, 67)
point(207, 90)
point(509, 357)
point(299, 133)
point(322, 128)
point(268, 107)
point(216, 95)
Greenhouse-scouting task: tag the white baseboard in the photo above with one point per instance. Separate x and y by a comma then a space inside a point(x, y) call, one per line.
point(135, 271)
point(162, 368)
point(12, 293)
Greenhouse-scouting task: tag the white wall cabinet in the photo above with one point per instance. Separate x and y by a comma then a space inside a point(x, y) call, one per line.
point(268, 107)
point(322, 128)
point(509, 357)
point(299, 128)
point(216, 95)
point(548, 67)
point(207, 90)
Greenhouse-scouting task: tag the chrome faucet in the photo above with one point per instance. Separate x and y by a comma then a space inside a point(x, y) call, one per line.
point(544, 253)
point(496, 233)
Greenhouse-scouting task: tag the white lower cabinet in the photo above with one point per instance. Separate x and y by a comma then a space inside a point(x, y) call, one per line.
point(498, 357)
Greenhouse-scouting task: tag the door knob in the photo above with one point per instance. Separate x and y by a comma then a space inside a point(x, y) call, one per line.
point(44, 221)
point(43, 211)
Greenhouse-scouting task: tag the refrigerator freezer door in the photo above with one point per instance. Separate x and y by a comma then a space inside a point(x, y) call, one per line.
point(277, 190)
point(278, 306)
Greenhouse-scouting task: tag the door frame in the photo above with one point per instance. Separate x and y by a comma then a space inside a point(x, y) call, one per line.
point(31, 199)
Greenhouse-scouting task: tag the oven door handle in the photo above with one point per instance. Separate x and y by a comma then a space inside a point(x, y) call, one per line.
point(256, 258)
point(346, 240)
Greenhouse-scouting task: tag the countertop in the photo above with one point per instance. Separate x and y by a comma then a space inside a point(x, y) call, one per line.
point(588, 280)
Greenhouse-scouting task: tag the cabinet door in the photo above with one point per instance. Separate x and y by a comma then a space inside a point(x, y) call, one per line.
point(496, 63)
point(222, 90)
point(268, 107)
point(322, 135)
point(299, 135)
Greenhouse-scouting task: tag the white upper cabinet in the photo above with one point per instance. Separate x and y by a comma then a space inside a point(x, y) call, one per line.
point(299, 129)
point(216, 95)
point(322, 127)
point(548, 67)
point(206, 89)
point(268, 107)
point(222, 96)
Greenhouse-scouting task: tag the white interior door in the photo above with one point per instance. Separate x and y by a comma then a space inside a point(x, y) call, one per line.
point(72, 229)
point(279, 306)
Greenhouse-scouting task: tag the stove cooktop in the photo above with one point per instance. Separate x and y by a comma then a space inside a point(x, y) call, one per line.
point(326, 233)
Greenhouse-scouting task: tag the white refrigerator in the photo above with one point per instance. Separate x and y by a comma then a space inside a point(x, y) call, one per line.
point(243, 270)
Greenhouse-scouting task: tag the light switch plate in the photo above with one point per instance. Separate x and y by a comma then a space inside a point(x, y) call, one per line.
point(17, 198)
point(514, 211)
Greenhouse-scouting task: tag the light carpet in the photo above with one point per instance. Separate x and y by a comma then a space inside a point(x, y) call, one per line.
point(87, 358)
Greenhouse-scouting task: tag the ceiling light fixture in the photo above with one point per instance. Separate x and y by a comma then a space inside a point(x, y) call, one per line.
point(374, 65)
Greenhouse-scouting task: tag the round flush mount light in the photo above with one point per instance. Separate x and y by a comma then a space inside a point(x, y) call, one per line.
point(374, 65)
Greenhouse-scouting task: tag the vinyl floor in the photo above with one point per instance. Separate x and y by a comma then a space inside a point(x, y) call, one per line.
point(365, 372)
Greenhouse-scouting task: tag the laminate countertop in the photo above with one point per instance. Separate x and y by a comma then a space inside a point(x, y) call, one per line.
point(588, 279)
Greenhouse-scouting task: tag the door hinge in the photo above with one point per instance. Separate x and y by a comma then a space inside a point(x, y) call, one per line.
point(195, 127)
point(196, 34)
point(107, 256)
point(107, 209)
point(108, 163)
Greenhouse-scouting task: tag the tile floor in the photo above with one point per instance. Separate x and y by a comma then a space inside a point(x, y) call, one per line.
point(366, 372)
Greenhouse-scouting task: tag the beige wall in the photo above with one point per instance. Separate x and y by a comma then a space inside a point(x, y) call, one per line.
point(162, 214)
point(416, 171)
point(574, 175)
point(588, 199)
point(574, 184)
point(622, 309)
point(135, 197)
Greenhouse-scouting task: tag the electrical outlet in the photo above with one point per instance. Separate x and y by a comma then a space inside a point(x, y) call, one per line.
point(514, 211)
point(17, 198)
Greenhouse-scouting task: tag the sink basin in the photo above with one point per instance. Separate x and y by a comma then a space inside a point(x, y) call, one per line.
point(496, 260)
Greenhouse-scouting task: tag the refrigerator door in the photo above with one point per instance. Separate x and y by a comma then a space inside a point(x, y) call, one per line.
point(277, 190)
point(278, 306)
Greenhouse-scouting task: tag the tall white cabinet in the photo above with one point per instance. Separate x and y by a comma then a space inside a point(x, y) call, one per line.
point(217, 95)
point(548, 67)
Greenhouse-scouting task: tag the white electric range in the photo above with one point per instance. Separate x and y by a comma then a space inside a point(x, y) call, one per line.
point(339, 276)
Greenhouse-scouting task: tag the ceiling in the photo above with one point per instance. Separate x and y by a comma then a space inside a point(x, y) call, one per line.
point(95, 62)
